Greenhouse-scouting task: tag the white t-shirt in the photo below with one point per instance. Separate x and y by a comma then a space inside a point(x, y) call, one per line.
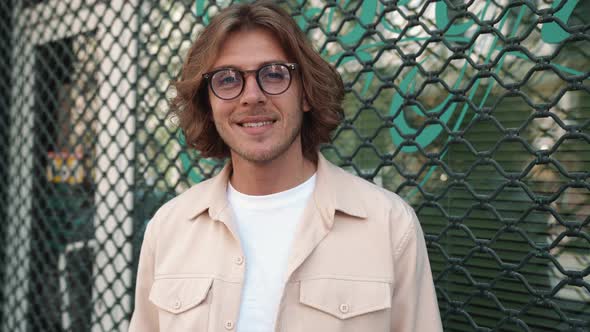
point(266, 227)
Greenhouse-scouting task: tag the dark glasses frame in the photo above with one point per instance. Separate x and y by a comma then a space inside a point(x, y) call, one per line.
point(291, 67)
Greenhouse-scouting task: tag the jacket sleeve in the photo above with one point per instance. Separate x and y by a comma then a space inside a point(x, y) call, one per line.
point(414, 303)
point(145, 314)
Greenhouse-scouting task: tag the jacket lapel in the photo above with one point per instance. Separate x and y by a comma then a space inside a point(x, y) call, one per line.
point(332, 193)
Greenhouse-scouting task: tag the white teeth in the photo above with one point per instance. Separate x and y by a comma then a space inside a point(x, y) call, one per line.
point(256, 124)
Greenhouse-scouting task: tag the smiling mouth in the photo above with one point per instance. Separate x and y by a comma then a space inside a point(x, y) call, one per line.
point(256, 124)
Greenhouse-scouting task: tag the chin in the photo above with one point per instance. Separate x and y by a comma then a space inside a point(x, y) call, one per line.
point(257, 156)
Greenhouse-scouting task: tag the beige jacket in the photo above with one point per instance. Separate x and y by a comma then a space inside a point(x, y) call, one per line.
point(358, 263)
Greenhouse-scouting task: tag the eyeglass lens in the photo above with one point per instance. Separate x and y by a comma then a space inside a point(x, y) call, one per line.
point(272, 79)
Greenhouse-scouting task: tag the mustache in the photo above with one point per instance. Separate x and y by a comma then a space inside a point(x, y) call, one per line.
point(258, 112)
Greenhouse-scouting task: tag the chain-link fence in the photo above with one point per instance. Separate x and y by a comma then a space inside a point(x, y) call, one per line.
point(476, 112)
point(4, 97)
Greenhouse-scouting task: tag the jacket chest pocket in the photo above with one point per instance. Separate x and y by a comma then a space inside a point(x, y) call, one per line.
point(183, 304)
point(344, 305)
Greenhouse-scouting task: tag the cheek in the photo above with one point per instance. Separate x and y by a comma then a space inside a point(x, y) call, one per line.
point(213, 103)
point(298, 98)
point(217, 116)
point(219, 110)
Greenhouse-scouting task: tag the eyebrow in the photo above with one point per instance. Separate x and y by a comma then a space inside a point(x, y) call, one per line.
point(259, 65)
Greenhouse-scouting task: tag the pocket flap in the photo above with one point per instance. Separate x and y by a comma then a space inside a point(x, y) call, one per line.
point(345, 298)
point(179, 295)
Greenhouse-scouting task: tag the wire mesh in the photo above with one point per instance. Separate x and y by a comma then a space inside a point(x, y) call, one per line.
point(4, 97)
point(476, 112)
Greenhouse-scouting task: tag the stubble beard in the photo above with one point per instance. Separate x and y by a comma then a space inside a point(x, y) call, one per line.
point(267, 155)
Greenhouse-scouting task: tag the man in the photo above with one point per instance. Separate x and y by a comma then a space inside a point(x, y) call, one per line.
point(280, 240)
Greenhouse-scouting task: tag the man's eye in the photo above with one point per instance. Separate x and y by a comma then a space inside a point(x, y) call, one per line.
point(227, 79)
point(275, 75)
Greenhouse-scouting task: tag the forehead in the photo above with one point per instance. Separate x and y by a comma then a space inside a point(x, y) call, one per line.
point(248, 49)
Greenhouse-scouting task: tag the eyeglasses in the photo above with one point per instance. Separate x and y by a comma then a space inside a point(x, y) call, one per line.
point(228, 83)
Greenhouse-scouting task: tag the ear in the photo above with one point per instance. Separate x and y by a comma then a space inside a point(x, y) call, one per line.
point(306, 106)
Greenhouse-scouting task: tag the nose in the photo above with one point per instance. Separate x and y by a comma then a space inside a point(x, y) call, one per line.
point(252, 93)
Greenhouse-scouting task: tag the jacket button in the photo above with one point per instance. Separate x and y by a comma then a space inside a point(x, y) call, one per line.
point(177, 304)
point(344, 308)
point(229, 325)
point(239, 260)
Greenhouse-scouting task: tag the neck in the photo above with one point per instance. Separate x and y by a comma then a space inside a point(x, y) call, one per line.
point(265, 178)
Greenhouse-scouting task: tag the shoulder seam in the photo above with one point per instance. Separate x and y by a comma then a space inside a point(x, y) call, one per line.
point(405, 240)
point(148, 237)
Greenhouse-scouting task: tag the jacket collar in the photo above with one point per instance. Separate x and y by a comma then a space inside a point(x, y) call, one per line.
point(213, 195)
point(333, 192)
